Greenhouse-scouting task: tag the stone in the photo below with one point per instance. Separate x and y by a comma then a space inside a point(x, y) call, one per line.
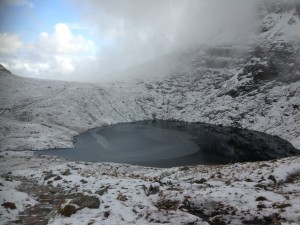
point(66, 173)
point(9, 205)
point(67, 210)
point(91, 202)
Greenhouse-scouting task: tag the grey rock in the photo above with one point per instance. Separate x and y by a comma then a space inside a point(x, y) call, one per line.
point(91, 202)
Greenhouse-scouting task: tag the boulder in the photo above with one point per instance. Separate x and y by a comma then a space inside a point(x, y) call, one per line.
point(91, 202)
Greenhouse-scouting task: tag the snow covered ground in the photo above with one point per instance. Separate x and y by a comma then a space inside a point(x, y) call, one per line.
point(250, 193)
point(228, 85)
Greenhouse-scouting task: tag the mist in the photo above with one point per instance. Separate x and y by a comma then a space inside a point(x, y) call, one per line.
point(140, 31)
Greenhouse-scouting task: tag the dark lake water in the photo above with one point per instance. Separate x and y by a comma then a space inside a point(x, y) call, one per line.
point(169, 143)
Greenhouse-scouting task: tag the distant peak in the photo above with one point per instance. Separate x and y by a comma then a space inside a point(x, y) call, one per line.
point(3, 69)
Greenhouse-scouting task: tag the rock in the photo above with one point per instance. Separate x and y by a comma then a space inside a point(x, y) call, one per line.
point(102, 191)
point(261, 198)
point(54, 190)
point(122, 197)
point(261, 206)
point(8, 178)
point(271, 177)
point(83, 181)
point(91, 202)
point(9, 205)
point(281, 206)
point(66, 173)
point(106, 214)
point(201, 181)
point(49, 175)
point(153, 190)
point(167, 204)
point(67, 210)
point(57, 178)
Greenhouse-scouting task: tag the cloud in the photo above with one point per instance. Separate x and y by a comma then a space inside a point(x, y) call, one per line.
point(9, 43)
point(52, 55)
point(126, 33)
point(62, 41)
point(168, 23)
point(140, 31)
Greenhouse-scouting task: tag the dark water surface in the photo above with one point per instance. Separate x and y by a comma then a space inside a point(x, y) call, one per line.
point(168, 143)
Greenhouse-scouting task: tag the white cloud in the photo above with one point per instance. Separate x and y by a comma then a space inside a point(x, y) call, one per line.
point(52, 55)
point(32, 69)
point(65, 63)
point(62, 41)
point(9, 43)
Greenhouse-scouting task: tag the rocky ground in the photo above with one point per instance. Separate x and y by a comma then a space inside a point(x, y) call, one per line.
point(247, 193)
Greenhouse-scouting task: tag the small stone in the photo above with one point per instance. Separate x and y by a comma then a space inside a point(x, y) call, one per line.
point(264, 165)
point(261, 198)
point(8, 178)
point(83, 181)
point(167, 204)
point(281, 206)
point(106, 214)
point(66, 173)
point(261, 206)
point(49, 175)
point(49, 182)
point(228, 182)
point(122, 197)
point(57, 178)
point(271, 177)
point(102, 191)
point(67, 210)
point(54, 190)
point(201, 181)
point(9, 205)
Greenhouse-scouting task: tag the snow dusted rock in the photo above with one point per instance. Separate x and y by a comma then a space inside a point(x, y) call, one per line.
point(91, 202)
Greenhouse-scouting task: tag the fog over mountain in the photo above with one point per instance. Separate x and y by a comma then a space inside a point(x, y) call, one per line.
point(140, 31)
point(124, 34)
point(143, 30)
point(121, 39)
